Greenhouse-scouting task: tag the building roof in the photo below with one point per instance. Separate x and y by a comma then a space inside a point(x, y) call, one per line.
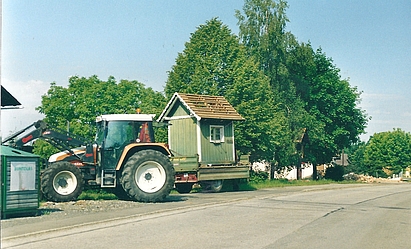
point(203, 107)
point(7, 99)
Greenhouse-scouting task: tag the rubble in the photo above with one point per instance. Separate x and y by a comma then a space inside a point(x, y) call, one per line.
point(371, 179)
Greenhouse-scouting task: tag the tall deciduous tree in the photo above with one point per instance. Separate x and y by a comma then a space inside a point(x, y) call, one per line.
point(334, 103)
point(305, 83)
point(213, 62)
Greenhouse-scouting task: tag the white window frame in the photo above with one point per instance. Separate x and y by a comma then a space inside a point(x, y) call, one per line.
point(213, 129)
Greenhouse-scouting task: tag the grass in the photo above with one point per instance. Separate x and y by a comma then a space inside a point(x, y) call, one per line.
point(96, 194)
point(284, 183)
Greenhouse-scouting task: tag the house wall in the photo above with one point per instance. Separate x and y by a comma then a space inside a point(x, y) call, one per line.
point(182, 132)
point(216, 153)
point(189, 137)
point(306, 170)
point(182, 137)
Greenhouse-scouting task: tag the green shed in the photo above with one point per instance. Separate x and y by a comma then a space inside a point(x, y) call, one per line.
point(19, 182)
point(201, 126)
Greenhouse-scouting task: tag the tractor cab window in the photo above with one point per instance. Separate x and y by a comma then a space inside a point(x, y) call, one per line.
point(121, 133)
point(100, 133)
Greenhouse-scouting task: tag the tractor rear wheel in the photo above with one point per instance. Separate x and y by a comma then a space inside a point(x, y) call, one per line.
point(61, 181)
point(148, 176)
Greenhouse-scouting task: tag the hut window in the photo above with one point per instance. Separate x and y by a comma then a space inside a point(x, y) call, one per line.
point(216, 133)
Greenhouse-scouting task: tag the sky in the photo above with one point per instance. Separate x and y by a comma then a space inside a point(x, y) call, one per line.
point(45, 41)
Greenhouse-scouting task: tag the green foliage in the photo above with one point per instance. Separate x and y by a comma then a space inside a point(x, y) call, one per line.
point(356, 159)
point(388, 153)
point(258, 176)
point(278, 183)
point(334, 173)
point(332, 103)
point(44, 150)
point(262, 31)
point(305, 83)
point(96, 194)
point(78, 105)
point(207, 64)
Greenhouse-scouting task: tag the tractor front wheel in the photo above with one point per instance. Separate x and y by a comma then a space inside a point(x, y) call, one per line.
point(148, 176)
point(62, 181)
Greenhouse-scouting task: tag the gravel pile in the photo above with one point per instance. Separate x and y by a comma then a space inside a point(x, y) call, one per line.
point(84, 206)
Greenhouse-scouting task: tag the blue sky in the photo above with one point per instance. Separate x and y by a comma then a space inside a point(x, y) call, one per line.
point(49, 41)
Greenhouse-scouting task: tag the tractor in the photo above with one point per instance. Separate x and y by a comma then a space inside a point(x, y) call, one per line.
point(123, 158)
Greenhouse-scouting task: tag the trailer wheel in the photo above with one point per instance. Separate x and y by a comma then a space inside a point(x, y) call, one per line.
point(184, 188)
point(214, 186)
point(62, 181)
point(148, 176)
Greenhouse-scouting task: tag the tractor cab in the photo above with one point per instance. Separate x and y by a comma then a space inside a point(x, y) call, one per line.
point(116, 131)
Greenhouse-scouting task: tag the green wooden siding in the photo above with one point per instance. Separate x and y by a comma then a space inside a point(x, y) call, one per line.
point(183, 141)
point(216, 153)
point(183, 137)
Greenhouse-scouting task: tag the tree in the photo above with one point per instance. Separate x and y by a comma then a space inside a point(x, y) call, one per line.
point(206, 65)
point(214, 63)
point(305, 83)
point(334, 103)
point(356, 158)
point(77, 106)
point(388, 153)
point(262, 31)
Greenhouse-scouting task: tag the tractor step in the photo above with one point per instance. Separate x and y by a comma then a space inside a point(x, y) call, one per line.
point(108, 178)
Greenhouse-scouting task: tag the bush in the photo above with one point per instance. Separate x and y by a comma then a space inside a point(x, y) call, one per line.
point(258, 176)
point(334, 173)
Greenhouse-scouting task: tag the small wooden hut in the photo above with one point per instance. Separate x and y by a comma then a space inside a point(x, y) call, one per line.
point(201, 126)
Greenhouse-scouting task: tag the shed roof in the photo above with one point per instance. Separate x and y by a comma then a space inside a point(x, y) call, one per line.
point(13, 152)
point(203, 107)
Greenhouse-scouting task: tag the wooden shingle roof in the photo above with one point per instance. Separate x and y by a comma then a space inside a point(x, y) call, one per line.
point(204, 107)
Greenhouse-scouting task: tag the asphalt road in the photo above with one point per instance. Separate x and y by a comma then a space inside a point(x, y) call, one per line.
point(327, 216)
